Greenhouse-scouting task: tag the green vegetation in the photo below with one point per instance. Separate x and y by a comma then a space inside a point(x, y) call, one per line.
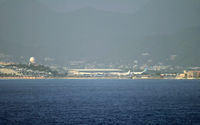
point(7, 75)
point(34, 68)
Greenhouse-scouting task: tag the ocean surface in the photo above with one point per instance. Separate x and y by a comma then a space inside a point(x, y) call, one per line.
point(91, 102)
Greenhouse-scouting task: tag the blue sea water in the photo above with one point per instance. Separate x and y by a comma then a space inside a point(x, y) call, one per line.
point(91, 102)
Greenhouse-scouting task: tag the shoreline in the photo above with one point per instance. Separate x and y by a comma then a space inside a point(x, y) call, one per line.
point(156, 78)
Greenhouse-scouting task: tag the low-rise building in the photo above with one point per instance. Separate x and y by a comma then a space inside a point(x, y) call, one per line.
point(193, 74)
point(189, 75)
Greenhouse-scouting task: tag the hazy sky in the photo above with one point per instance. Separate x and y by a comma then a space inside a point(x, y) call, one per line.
point(122, 6)
point(156, 30)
